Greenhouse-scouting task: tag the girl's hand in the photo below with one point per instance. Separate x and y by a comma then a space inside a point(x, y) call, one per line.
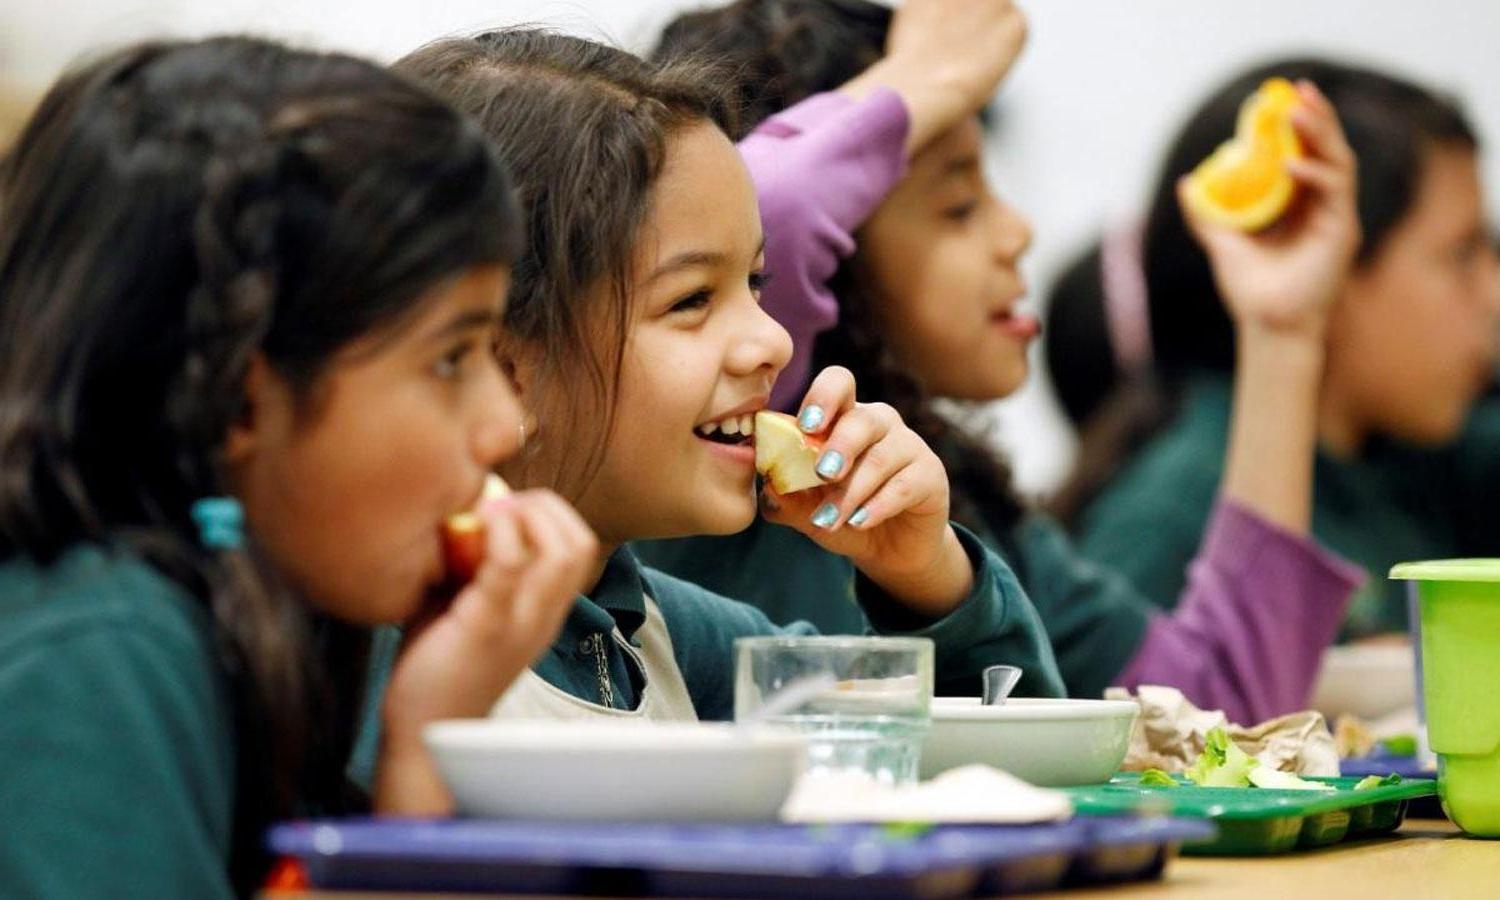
point(886, 502)
point(457, 660)
point(1285, 278)
point(945, 58)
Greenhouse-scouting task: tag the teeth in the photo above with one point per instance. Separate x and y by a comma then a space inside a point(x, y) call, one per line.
point(744, 424)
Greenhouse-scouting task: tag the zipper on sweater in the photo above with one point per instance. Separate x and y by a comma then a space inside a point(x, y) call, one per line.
point(596, 649)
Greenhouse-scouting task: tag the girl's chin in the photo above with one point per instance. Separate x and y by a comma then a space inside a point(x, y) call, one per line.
point(987, 386)
point(375, 612)
point(730, 515)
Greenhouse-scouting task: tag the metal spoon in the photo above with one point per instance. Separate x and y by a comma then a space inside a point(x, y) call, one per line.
point(999, 681)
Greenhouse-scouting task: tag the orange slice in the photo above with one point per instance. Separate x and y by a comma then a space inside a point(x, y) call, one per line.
point(1244, 184)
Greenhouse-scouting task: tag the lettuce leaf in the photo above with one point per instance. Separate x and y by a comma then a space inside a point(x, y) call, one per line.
point(1222, 763)
point(1400, 745)
point(1157, 778)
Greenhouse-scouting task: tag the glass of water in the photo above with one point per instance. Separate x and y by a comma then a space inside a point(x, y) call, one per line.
point(874, 715)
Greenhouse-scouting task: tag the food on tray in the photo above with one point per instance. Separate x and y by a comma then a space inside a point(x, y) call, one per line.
point(1171, 733)
point(969, 794)
point(1223, 764)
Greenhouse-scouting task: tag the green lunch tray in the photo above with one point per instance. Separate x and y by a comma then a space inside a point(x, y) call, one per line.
point(1256, 821)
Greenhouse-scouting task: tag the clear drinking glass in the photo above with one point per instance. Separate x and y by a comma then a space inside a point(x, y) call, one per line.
point(874, 717)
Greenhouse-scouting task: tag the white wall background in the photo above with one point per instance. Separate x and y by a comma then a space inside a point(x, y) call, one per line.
point(1088, 109)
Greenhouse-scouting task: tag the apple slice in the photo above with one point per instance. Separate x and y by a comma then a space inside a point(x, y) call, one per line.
point(463, 535)
point(784, 454)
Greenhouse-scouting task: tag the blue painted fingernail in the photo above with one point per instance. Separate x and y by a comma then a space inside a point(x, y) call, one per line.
point(826, 515)
point(860, 517)
point(811, 419)
point(830, 463)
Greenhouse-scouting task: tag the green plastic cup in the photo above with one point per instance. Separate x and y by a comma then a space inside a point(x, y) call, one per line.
point(1460, 626)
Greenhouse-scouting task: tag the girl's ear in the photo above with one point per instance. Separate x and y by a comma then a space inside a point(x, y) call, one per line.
point(266, 402)
point(519, 362)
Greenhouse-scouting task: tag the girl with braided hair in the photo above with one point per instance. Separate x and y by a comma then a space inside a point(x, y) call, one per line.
point(898, 261)
point(248, 297)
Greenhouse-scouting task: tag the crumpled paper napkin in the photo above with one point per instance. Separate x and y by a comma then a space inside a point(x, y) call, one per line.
point(1170, 733)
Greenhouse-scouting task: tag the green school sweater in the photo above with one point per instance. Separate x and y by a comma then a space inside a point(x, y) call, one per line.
point(1093, 619)
point(1394, 503)
point(994, 624)
point(116, 734)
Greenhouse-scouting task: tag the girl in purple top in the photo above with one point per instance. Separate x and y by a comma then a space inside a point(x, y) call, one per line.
point(875, 205)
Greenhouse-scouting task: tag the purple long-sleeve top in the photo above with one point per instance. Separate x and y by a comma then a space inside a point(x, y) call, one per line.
point(1261, 605)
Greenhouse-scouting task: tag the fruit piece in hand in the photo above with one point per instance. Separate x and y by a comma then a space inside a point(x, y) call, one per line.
point(463, 535)
point(784, 454)
point(1244, 184)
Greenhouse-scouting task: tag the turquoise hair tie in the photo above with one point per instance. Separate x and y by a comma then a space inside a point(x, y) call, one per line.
point(220, 521)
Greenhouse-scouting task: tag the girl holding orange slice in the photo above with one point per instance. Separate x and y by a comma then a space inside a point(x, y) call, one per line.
point(1407, 463)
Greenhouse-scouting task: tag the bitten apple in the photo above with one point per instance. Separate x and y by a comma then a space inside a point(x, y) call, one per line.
point(784, 454)
point(463, 535)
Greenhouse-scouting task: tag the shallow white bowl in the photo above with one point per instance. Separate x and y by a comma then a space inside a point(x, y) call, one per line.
point(1367, 680)
point(642, 772)
point(1051, 743)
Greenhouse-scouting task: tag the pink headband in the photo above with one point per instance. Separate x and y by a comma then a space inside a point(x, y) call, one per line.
point(1127, 312)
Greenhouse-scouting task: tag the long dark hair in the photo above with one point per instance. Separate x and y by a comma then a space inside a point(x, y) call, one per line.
point(780, 52)
point(584, 128)
point(170, 211)
point(1391, 123)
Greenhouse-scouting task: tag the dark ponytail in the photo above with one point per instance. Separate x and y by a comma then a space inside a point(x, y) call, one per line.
point(170, 212)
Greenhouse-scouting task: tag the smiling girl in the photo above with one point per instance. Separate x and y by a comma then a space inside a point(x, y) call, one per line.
point(635, 325)
point(247, 299)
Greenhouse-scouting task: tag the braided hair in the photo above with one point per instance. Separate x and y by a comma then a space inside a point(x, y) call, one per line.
point(171, 212)
point(778, 53)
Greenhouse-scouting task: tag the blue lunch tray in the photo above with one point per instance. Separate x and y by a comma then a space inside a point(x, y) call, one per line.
point(842, 861)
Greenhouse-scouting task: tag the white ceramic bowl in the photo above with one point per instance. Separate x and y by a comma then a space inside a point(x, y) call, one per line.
point(643, 772)
point(1368, 680)
point(1051, 743)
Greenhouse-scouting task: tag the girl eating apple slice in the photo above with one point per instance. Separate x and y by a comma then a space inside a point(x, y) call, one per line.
point(632, 324)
